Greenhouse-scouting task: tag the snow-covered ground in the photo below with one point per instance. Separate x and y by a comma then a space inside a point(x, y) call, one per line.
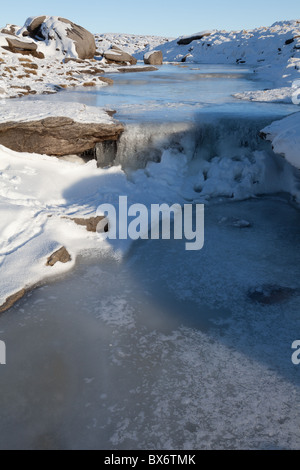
point(21, 75)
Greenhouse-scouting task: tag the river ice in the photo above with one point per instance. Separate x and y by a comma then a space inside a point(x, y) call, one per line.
point(165, 350)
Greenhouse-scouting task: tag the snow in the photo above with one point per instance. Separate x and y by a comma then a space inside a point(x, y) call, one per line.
point(27, 111)
point(275, 95)
point(35, 194)
point(131, 43)
point(285, 138)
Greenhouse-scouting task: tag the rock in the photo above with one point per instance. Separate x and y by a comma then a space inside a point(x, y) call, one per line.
point(56, 136)
point(10, 29)
point(116, 48)
point(10, 301)
point(137, 69)
point(183, 60)
point(18, 46)
point(84, 40)
point(196, 37)
point(34, 27)
point(60, 30)
point(23, 45)
point(62, 255)
point(107, 80)
point(153, 58)
point(90, 224)
point(117, 56)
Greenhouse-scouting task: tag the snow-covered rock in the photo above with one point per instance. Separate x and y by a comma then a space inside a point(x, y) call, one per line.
point(73, 128)
point(186, 40)
point(58, 35)
point(118, 56)
point(285, 138)
point(153, 58)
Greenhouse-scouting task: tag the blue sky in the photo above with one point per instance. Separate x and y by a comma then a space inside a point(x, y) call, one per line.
point(159, 17)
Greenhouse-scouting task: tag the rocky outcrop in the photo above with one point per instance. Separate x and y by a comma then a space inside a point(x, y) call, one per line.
point(24, 47)
point(69, 38)
point(115, 55)
point(196, 37)
point(153, 58)
point(57, 136)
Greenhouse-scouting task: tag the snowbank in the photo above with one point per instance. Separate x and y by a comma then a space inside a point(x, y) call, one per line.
point(285, 138)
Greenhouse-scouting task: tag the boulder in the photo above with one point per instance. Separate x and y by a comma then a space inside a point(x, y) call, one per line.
point(184, 41)
point(84, 40)
point(34, 27)
point(68, 37)
point(153, 58)
point(57, 136)
point(24, 47)
point(117, 56)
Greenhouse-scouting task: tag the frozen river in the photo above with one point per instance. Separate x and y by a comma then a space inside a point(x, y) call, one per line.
point(169, 349)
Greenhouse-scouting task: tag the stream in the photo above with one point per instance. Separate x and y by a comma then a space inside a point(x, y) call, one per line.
point(165, 348)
